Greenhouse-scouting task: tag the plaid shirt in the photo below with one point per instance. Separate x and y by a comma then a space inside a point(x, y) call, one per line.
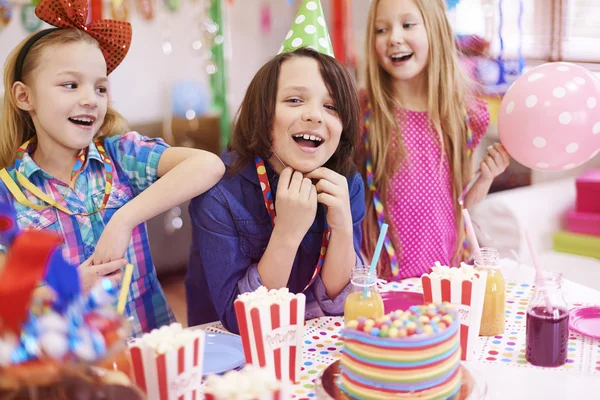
point(135, 160)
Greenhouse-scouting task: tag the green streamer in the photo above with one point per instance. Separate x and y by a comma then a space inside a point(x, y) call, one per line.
point(218, 80)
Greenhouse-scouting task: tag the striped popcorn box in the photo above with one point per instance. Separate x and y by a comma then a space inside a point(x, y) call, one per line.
point(251, 383)
point(271, 325)
point(167, 363)
point(464, 288)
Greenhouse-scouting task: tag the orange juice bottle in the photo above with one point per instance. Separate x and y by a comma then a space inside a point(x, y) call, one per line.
point(493, 318)
point(364, 299)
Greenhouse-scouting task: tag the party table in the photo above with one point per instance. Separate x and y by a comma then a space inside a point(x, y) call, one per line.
point(500, 360)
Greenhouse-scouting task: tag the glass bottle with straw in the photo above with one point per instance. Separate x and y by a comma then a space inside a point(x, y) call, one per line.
point(493, 320)
point(547, 330)
point(364, 299)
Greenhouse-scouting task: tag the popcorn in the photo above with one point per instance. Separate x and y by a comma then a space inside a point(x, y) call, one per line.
point(251, 383)
point(168, 338)
point(464, 288)
point(271, 324)
point(466, 272)
point(167, 362)
point(264, 297)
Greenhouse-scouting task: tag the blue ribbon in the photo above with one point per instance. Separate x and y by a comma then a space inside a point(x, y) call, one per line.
point(521, 58)
point(501, 69)
point(501, 66)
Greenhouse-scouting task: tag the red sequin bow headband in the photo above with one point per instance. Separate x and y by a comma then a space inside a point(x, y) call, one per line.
point(114, 37)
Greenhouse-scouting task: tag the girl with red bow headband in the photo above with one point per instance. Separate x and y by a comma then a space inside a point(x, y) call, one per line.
point(69, 164)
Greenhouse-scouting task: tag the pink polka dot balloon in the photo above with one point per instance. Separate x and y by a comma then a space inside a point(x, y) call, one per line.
point(549, 119)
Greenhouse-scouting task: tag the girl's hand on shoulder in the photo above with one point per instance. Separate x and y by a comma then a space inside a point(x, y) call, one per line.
point(296, 203)
point(495, 162)
point(114, 241)
point(332, 191)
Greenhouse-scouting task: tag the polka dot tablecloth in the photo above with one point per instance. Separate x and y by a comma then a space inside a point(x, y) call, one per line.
point(322, 344)
point(509, 349)
point(322, 347)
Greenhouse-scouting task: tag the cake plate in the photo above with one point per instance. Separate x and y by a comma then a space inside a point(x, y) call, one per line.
point(473, 385)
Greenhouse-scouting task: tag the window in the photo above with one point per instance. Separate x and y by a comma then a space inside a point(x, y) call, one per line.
point(552, 30)
point(580, 31)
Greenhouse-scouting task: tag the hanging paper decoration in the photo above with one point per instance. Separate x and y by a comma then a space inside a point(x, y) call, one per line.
point(495, 72)
point(96, 10)
point(28, 18)
point(119, 10)
point(338, 30)
point(452, 4)
point(265, 17)
point(217, 72)
point(173, 5)
point(341, 33)
point(352, 57)
point(5, 13)
point(510, 70)
point(145, 8)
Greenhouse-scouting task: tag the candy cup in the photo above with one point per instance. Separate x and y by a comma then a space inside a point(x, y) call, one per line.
point(278, 316)
point(460, 290)
point(169, 368)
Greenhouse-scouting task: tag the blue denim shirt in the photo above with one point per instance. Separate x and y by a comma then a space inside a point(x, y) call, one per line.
point(231, 230)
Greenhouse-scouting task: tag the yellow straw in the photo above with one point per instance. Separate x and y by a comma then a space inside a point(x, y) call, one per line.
point(124, 289)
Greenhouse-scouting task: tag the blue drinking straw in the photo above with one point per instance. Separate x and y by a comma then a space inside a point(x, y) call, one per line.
point(375, 259)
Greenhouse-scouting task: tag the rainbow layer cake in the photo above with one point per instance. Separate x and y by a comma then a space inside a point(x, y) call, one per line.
point(403, 355)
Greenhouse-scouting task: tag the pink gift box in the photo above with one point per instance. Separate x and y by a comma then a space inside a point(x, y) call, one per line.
point(586, 223)
point(588, 192)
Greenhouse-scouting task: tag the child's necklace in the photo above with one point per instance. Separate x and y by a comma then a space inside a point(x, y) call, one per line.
point(78, 167)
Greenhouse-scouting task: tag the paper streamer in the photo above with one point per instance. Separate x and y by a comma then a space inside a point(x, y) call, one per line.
point(339, 16)
point(96, 10)
point(218, 80)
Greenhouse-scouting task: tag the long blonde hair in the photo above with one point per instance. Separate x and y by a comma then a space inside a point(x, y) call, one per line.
point(16, 125)
point(447, 97)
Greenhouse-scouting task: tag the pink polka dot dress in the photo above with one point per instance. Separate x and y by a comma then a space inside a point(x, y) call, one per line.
point(420, 204)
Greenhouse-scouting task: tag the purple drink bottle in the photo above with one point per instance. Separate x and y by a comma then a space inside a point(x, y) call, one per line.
point(547, 333)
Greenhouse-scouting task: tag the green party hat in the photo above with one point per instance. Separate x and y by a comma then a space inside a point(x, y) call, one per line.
point(309, 30)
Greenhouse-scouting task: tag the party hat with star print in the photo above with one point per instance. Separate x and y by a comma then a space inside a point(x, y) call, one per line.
point(308, 30)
